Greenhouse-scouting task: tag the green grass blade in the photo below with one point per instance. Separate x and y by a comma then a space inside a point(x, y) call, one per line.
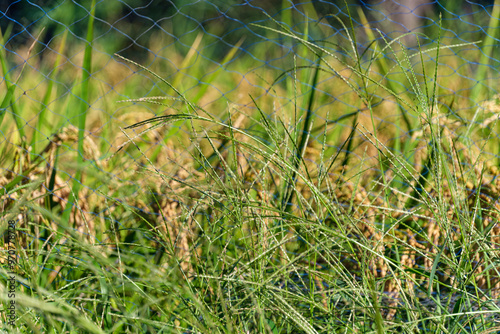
point(478, 92)
point(383, 66)
point(211, 77)
point(9, 99)
point(84, 106)
point(299, 154)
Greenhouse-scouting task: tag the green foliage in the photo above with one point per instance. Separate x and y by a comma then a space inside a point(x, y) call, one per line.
point(255, 227)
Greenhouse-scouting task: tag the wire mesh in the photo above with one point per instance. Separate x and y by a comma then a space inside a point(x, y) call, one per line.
point(63, 114)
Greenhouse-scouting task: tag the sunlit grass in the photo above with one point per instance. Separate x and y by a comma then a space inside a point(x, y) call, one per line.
point(337, 192)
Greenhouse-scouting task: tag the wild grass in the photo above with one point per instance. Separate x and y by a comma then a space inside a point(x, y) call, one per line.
point(177, 209)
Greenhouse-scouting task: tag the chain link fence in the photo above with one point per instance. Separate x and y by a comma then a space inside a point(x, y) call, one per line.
point(75, 74)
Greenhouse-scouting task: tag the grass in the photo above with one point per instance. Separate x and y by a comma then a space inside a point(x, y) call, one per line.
point(348, 191)
point(82, 116)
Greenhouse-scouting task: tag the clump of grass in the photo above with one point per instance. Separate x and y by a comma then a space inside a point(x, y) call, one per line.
point(259, 228)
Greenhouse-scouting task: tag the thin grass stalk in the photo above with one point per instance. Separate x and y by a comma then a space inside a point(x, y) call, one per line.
point(46, 99)
point(212, 76)
point(300, 150)
point(365, 78)
point(424, 173)
point(9, 100)
point(84, 107)
point(207, 82)
point(193, 50)
point(286, 18)
point(478, 92)
point(379, 322)
point(383, 66)
point(6, 77)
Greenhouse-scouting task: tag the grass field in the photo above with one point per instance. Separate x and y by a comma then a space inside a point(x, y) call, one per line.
point(327, 189)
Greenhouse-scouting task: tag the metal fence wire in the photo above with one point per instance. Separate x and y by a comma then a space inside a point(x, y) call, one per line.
point(76, 74)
